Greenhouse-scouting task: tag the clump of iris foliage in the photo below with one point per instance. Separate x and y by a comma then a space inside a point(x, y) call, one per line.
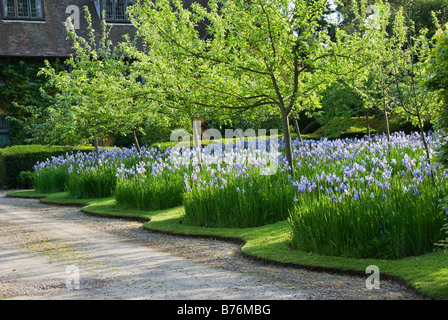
point(244, 189)
point(151, 185)
point(83, 174)
point(223, 187)
point(368, 198)
point(363, 198)
point(50, 176)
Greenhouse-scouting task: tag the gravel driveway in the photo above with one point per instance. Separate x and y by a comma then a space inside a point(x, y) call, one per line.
point(60, 253)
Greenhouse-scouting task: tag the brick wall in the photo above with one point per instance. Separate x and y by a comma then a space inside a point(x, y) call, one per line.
point(48, 38)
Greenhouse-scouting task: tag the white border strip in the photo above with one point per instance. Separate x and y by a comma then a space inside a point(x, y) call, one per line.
point(120, 24)
point(24, 21)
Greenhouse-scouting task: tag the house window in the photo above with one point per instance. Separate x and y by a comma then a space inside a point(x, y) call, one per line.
point(116, 10)
point(4, 131)
point(22, 9)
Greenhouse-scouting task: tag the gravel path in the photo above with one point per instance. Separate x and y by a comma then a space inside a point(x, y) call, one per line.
point(60, 253)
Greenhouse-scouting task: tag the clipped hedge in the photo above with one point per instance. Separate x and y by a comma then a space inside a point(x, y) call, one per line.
point(16, 159)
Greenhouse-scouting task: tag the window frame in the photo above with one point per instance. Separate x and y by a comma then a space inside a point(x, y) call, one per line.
point(4, 132)
point(4, 123)
point(114, 19)
point(16, 17)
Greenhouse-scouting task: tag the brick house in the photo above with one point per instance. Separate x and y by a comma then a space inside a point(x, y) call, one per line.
point(33, 31)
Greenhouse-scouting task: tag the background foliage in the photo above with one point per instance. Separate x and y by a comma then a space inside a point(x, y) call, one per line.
point(17, 159)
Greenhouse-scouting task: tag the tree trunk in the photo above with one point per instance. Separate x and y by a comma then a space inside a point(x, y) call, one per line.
point(387, 125)
point(96, 145)
point(386, 117)
point(197, 141)
point(296, 124)
point(137, 145)
point(425, 144)
point(422, 133)
point(367, 123)
point(287, 137)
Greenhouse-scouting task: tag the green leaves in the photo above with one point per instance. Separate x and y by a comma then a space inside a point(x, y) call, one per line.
point(248, 46)
point(437, 81)
point(98, 93)
point(238, 56)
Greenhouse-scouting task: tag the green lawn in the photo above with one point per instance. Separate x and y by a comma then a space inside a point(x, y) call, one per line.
point(428, 273)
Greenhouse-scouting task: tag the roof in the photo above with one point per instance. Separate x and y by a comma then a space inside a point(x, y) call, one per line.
point(48, 37)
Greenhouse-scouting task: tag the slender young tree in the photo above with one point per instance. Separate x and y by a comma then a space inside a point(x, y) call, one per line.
point(437, 81)
point(100, 92)
point(373, 83)
point(80, 110)
point(410, 62)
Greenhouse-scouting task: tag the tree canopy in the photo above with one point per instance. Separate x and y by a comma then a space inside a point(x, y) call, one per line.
point(255, 59)
point(438, 82)
point(255, 54)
